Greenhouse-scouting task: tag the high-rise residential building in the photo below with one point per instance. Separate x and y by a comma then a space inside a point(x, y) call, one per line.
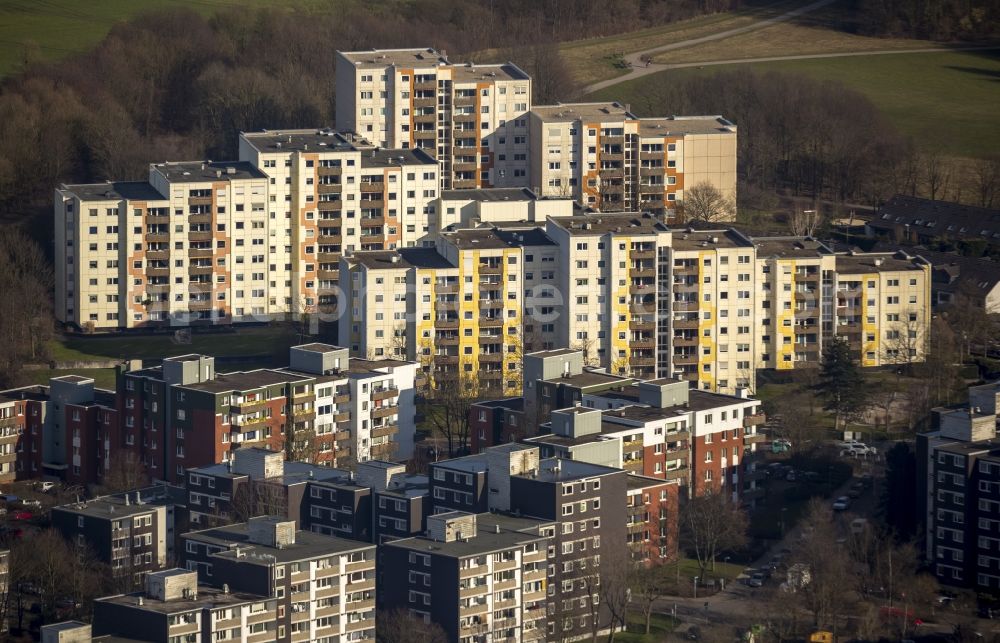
point(455, 308)
point(478, 576)
point(324, 586)
point(174, 607)
point(958, 491)
point(23, 416)
point(239, 241)
point(336, 193)
point(607, 158)
point(471, 118)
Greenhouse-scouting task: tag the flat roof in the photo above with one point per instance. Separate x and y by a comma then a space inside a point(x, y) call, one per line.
point(307, 544)
point(647, 413)
point(489, 195)
point(207, 598)
point(588, 112)
point(380, 157)
point(407, 485)
point(319, 347)
point(691, 239)
point(604, 223)
point(475, 463)
point(524, 237)
point(115, 191)
point(792, 247)
point(208, 171)
point(636, 482)
point(107, 507)
point(411, 57)
point(683, 125)
point(35, 392)
point(511, 534)
point(300, 140)
point(569, 470)
point(476, 238)
point(863, 263)
point(425, 258)
point(699, 400)
point(590, 378)
point(380, 260)
point(471, 72)
point(246, 380)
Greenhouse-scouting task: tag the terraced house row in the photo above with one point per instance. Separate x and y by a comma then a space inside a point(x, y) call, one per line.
point(636, 297)
point(206, 242)
point(325, 407)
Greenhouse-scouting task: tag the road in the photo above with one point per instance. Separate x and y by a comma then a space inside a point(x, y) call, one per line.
point(639, 68)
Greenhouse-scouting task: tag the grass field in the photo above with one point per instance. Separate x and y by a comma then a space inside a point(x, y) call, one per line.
point(51, 29)
point(594, 59)
point(661, 626)
point(248, 341)
point(945, 101)
point(817, 32)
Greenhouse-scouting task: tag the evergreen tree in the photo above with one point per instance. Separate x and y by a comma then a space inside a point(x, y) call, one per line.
point(841, 384)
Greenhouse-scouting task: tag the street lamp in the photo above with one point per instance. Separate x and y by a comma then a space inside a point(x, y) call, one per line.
point(696, 587)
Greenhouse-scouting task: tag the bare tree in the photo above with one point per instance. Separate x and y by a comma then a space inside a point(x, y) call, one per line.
point(987, 174)
point(704, 202)
point(26, 316)
point(447, 408)
point(937, 175)
point(587, 346)
point(127, 471)
point(828, 590)
point(905, 342)
point(805, 222)
point(649, 584)
point(616, 572)
point(402, 626)
point(710, 523)
point(258, 498)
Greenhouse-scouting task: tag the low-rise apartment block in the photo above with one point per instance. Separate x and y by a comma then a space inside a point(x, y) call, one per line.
point(174, 607)
point(478, 576)
point(608, 159)
point(127, 534)
point(324, 586)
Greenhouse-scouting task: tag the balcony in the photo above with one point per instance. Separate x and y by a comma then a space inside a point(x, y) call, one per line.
point(372, 186)
point(158, 237)
point(754, 438)
point(384, 393)
point(753, 420)
point(680, 473)
point(490, 268)
point(385, 411)
point(385, 431)
point(250, 422)
point(491, 322)
point(200, 235)
point(249, 406)
point(198, 253)
point(344, 416)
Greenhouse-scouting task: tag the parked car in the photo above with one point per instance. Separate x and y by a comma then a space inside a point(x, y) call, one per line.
point(756, 579)
point(857, 450)
point(45, 486)
point(892, 613)
point(841, 503)
point(21, 515)
point(790, 476)
point(781, 445)
point(693, 633)
point(9, 497)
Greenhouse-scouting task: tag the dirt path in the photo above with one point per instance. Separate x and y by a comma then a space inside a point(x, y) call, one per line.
point(640, 68)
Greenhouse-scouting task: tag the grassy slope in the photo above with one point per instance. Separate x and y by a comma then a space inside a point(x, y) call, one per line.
point(248, 341)
point(594, 59)
point(945, 101)
point(55, 28)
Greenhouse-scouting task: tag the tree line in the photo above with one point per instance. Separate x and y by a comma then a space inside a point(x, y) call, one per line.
point(174, 84)
point(809, 137)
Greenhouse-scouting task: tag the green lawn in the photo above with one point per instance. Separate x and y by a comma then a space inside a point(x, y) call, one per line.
point(103, 377)
point(273, 340)
point(945, 101)
point(51, 29)
point(660, 628)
